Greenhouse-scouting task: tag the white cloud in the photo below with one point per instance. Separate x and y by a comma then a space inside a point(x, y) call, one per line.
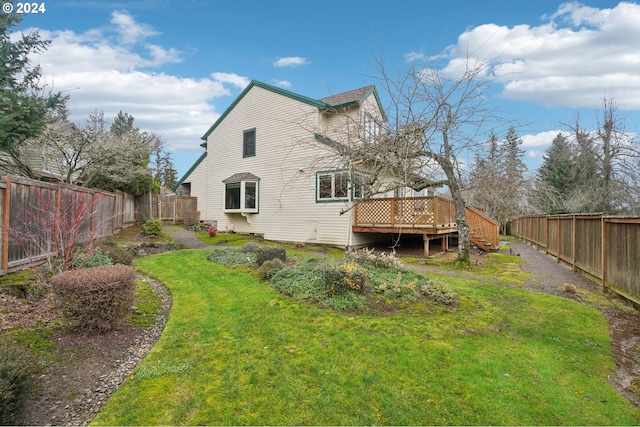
point(238, 81)
point(579, 56)
point(539, 141)
point(291, 61)
point(130, 31)
point(282, 83)
point(414, 56)
point(110, 69)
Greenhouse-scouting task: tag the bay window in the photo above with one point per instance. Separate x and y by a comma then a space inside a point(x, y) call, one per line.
point(241, 193)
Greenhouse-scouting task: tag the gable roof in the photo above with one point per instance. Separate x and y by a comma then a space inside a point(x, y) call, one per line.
point(348, 98)
point(342, 100)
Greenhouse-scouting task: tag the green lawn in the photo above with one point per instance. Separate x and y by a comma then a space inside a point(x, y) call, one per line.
point(236, 352)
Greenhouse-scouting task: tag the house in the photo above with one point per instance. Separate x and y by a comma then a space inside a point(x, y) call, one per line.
point(39, 158)
point(272, 165)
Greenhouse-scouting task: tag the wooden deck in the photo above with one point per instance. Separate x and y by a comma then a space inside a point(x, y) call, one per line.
point(431, 216)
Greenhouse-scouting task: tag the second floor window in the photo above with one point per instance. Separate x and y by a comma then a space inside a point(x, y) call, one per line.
point(249, 143)
point(371, 129)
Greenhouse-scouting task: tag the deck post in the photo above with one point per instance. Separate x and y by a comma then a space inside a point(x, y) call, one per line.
point(425, 237)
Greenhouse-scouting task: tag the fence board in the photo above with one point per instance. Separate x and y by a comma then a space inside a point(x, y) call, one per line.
point(33, 213)
point(604, 248)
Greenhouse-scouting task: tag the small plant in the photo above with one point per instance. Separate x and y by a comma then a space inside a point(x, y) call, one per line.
point(269, 253)
point(340, 278)
point(269, 268)
point(16, 380)
point(97, 298)
point(251, 247)
point(397, 289)
point(96, 259)
point(378, 259)
point(439, 292)
point(191, 217)
point(231, 257)
point(118, 254)
point(151, 227)
point(213, 231)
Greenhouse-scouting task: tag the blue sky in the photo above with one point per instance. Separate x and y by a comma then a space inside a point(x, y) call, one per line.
point(177, 65)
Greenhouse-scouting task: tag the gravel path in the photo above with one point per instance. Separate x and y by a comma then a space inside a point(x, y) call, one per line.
point(549, 275)
point(184, 237)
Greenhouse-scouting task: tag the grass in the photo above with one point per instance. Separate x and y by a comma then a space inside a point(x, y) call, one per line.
point(236, 352)
point(147, 305)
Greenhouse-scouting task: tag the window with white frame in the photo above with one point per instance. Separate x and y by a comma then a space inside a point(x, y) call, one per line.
point(241, 193)
point(371, 128)
point(362, 188)
point(332, 185)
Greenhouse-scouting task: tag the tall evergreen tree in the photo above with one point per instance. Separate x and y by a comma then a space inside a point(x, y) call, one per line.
point(555, 179)
point(24, 102)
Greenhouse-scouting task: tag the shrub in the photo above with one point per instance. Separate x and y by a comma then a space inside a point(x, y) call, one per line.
point(17, 367)
point(340, 278)
point(97, 298)
point(269, 268)
point(251, 247)
point(213, 231)
point(230, 257)
point(301, 284)
point(151, 227)
point(439, 292)
point(270, 252)
point(191, 217)
point(397, 289)
point(378, 259)
point(96, 259)
point(118, 254)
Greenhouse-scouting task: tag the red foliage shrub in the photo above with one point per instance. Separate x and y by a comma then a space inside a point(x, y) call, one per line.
point(95, 299)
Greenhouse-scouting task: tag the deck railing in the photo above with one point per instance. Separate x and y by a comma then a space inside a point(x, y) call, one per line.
point(483, 226)
point(428, 212)
point(416, 212)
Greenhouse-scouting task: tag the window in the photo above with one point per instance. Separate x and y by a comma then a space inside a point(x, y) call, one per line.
point(332, 186)
point(232, 196)
point(249, 143)
point(371, 129)
point(241, 193)
point(362, 187)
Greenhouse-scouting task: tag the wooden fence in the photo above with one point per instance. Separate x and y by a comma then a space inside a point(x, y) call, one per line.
point(604, 248)
point(36, 217)
point(165, 208)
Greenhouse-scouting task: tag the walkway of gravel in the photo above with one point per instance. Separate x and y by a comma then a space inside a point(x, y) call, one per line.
point(184, 237)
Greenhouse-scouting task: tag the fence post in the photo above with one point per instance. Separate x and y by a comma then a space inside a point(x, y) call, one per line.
point(605, 251)
point(574, 242)
point(5, 225)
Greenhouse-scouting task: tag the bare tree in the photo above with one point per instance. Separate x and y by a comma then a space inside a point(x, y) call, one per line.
point(438, 117)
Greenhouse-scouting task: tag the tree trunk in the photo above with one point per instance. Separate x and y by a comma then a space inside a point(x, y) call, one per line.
point(464, 240)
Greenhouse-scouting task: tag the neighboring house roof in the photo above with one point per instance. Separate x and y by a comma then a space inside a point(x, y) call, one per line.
point(342, 100)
